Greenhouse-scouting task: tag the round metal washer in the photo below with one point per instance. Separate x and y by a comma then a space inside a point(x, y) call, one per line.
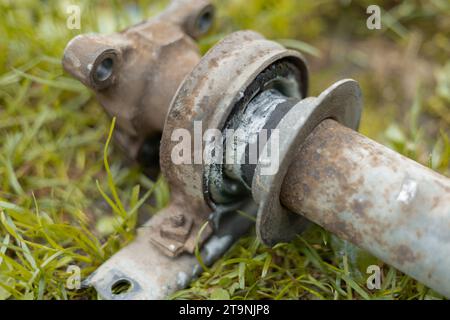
point(341, 102)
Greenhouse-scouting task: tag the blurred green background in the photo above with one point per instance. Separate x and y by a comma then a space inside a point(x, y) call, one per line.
point(53, 135)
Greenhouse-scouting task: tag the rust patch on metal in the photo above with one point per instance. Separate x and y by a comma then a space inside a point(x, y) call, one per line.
point(321, 162)
point(403, 254)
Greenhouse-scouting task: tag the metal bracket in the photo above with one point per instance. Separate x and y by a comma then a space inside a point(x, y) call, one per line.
point(148, 274)
point(136, 72)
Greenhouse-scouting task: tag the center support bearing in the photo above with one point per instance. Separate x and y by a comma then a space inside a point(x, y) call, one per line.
point(226, 79)
point(160, 260)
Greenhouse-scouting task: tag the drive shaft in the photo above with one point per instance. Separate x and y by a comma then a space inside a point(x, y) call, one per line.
point(363, 192)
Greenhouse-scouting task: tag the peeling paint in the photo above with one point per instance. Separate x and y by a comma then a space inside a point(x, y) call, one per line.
point(408, 191)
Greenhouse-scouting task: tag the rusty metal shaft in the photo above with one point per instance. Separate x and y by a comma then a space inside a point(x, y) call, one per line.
point(363, 192)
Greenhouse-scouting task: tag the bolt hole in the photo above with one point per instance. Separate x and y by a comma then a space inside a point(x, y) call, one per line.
point(121, 287)
point(149, 153)
point(204, 22)
point(104, 69)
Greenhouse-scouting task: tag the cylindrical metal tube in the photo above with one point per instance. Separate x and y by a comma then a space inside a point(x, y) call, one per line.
point(376, 198)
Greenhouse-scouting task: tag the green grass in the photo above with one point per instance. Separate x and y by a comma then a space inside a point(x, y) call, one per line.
point(68, 198)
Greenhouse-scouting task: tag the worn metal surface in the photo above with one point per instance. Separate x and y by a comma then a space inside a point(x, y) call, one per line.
point(151, 275)
point(135, 73)
point(342, 101)
point(252, 119)
point(208, 94)
point(248, 124)
point(376, 198)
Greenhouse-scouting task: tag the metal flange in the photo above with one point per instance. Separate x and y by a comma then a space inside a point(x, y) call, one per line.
point(342, 102)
